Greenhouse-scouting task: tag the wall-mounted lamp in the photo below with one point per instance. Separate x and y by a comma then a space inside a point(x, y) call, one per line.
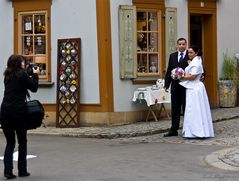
point(236, 55)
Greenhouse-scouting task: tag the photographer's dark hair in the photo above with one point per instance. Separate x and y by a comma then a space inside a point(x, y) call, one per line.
point(14, 64)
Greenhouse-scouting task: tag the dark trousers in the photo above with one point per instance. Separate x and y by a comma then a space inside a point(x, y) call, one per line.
point(10, 134)
point(178, 99)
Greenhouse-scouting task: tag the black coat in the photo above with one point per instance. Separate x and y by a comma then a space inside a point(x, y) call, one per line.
point(172, 64)
point(13, 106)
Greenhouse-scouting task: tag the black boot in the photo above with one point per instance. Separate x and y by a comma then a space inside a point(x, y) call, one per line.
point(9, 175)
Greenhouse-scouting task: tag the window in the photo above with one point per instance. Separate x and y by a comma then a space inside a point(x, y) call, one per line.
point(148, 42)
point(33, 39)
point(32, 35)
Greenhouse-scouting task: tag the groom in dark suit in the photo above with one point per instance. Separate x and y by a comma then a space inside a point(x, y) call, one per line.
point(178, 92)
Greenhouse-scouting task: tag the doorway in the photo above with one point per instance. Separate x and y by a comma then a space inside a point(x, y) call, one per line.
point(202, 33)
point(196, 30)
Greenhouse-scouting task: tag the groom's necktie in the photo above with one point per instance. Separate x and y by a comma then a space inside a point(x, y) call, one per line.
point(181, 57)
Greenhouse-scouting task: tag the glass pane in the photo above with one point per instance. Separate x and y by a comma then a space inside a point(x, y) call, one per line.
point(40, 44)
point(153, 63)
point(27, 25)
point(142, 63)
point(33, 40)
point(141, 41)
point(141, 21)
point(153, 42)
point(40, 25)
point(27, 45)
point(152, 21)
point(42, 68)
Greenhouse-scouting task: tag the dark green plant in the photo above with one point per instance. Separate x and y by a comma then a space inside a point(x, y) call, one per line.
point(229, 67)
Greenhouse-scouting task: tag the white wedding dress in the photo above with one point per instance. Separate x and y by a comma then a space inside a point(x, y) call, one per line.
point(197, 117)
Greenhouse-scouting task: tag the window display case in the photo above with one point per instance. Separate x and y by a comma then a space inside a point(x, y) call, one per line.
point(33, 37)
point(68, 83)
point(148, 38)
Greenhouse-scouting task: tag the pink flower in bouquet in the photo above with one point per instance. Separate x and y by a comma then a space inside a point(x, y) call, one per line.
point(177, 73)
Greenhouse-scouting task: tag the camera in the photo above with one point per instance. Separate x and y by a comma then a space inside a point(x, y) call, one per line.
point(30, 68)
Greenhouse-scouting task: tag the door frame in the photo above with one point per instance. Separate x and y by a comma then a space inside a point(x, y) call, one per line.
point(209, 49)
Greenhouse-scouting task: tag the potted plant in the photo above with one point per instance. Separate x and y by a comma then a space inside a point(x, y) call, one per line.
point(228, 82)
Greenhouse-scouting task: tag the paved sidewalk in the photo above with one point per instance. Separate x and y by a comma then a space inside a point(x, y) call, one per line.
point(131, 130)
point(227, 159)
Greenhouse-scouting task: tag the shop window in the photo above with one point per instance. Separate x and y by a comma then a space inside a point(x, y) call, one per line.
point(32, 35)
point(140, 42)
point(33, 40)
point(148, 43)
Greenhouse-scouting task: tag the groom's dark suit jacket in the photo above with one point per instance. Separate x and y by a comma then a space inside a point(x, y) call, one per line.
point(177, 91)
point(172, 64)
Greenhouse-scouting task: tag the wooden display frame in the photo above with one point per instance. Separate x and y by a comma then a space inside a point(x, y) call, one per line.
point(33, 40)
point(68, 83)
point(149, 60)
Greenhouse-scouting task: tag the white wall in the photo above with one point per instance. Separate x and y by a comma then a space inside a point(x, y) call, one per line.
point(123, 89)
point(77, 19)
point(69, 19)
point(6, 38)
point(182, 16)
point(80, 16)
point(227, 29)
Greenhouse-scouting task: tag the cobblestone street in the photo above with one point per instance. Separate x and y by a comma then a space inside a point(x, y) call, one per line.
point(226, 134)
point(225, 123)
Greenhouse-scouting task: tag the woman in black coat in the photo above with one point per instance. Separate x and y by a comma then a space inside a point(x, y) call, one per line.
point(13, 112)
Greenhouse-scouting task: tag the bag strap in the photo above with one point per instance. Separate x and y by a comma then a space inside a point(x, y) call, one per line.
point(28, 96)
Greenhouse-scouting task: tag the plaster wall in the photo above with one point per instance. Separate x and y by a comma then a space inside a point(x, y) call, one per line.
point(123, 89)
point(77, 19)
point(227, 29)
point(182, 16)
point(6, 38)
point(69, 19)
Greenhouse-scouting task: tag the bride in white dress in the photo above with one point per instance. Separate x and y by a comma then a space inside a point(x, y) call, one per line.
point(197, 117)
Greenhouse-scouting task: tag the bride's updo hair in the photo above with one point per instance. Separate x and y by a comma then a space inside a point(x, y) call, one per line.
point(196, 50)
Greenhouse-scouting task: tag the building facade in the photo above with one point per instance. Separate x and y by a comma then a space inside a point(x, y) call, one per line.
point(124, 45)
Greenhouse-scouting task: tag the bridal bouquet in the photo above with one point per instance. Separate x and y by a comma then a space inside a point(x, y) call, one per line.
point(177, 73)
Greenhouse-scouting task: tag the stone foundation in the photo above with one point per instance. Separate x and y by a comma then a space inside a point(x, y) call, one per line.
point(103, 118)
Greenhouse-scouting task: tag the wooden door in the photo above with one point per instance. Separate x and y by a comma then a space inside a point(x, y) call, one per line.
point(202, 30)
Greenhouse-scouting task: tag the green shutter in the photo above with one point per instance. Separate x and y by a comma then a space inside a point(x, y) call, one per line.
point(170, 31)
point(127, 40)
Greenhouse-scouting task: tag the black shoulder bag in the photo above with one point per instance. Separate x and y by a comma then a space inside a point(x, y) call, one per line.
point(35, 113)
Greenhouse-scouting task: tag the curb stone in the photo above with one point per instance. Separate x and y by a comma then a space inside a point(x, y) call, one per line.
point(130, 130)
point(226, 159)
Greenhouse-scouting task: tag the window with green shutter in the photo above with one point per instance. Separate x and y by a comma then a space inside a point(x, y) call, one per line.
point(146, 39)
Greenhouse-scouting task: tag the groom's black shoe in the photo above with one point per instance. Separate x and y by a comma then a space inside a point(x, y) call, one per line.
point(171, 133)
